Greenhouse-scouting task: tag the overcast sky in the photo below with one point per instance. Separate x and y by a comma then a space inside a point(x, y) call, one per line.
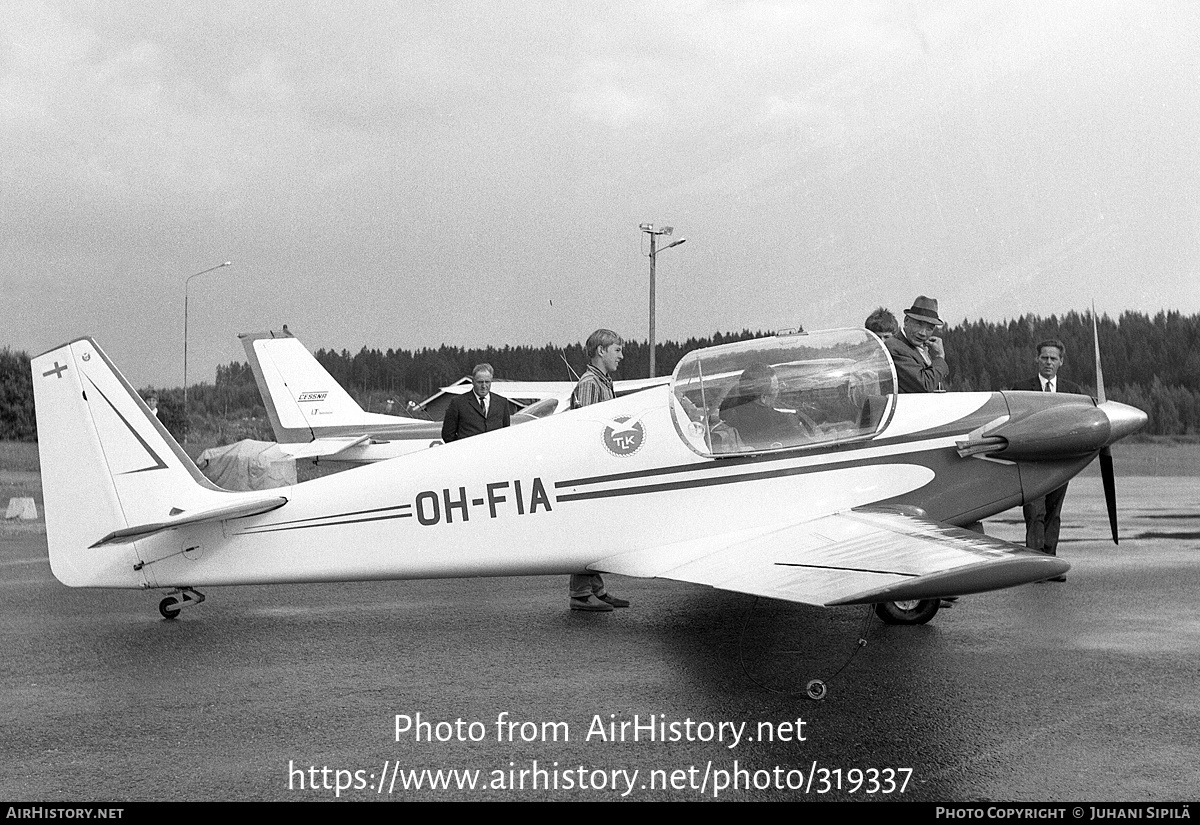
point(406, 174)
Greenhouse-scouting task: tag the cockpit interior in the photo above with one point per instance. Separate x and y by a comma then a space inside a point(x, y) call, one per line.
point(783, 393)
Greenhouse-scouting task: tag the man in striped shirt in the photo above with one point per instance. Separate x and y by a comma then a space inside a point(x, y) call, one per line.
point(604, 350)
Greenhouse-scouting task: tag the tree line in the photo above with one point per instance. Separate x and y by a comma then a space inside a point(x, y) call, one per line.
point(1151, 362)
point(419, 374)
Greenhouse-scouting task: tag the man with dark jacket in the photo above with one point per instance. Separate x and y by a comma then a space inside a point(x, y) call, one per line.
point(477, 411)
point(1043, 516)
point(917, 350)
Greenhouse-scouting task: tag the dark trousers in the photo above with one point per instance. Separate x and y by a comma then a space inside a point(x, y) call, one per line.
point(1042, 519)
point(585, 584)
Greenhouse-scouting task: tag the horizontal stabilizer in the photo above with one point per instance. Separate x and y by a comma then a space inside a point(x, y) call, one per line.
point(240, 510)
point(322, 447)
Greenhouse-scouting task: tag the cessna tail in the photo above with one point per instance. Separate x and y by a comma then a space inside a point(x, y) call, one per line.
point(313, 416)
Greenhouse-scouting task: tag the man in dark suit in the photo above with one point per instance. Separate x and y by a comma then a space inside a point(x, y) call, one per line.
point(477, 411)
point(917, 351)
point(1043, 516)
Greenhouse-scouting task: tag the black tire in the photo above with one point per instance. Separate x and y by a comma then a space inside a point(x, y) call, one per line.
point(910, 612)
point(167, 607)
point(816, 690)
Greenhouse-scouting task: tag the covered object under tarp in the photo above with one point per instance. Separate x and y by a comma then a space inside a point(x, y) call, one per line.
point(248, 465)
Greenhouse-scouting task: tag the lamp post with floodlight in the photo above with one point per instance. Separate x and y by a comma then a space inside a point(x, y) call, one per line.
point(186, 284)
point(653, 231)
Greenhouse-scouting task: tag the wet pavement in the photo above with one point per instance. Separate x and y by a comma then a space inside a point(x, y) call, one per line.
point(1083, 691)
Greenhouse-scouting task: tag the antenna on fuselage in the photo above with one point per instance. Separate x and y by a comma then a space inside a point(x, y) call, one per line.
point(570, 369)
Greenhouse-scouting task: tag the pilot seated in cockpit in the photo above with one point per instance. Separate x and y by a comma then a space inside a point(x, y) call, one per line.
point(750, 409)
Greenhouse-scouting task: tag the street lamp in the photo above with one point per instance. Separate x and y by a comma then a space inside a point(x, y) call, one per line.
point(186, 284)
point(653, 231)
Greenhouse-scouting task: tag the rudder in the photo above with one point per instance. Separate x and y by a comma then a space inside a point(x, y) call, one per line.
point(107, 463)
point(299, 394)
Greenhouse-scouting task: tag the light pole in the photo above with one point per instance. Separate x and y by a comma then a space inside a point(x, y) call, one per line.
point(186, 284)
point(653, 231)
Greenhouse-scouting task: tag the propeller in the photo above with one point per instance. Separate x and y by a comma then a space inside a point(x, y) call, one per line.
point(1107, 474)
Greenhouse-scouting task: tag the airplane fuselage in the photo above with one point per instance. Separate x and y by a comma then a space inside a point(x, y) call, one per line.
point(510, 505)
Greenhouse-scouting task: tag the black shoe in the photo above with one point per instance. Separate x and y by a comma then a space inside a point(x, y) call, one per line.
point(610, 599)
point(590, 604)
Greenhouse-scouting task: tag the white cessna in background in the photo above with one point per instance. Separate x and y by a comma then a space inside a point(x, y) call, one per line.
point(865, 502)
point(313, 417)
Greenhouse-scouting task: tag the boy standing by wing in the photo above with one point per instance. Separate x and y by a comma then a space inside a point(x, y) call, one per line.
point(604, 350)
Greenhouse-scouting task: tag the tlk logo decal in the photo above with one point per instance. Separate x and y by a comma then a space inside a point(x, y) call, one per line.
point(624, 436)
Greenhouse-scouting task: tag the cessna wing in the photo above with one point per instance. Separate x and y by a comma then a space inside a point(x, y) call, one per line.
point(863, 556)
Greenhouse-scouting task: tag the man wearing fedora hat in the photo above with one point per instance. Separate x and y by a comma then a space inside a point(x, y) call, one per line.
point(917, 351)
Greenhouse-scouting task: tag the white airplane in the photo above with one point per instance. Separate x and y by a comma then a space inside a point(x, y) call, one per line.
point(314, 417)
point(864, 501)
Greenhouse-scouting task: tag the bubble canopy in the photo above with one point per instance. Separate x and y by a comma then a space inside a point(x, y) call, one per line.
point(787, 392)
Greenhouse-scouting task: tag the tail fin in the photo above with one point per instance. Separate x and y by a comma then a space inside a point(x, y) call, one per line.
point(109, 468)
point(303, 400)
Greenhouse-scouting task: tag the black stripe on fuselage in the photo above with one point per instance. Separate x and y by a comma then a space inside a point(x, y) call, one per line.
point(904, 458)
point(345, 518)
point(762, 458)
point(275, 528)
point(703, 466)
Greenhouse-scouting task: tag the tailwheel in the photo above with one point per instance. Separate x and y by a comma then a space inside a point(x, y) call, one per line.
point(178, 599)
point(908, 612)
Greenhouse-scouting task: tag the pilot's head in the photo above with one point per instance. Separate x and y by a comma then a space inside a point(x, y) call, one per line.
point(883, 323)
point(758, 382)
point(1050, 355)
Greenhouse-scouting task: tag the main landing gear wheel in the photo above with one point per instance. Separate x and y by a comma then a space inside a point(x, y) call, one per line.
point(167, 607)
point(816, 690)
point(908, 612)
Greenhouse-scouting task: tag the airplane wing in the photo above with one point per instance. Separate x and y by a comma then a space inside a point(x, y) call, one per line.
point(862, 556)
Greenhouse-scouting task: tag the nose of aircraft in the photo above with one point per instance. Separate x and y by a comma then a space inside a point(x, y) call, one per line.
point(1123, 420)
point(1044, 427)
